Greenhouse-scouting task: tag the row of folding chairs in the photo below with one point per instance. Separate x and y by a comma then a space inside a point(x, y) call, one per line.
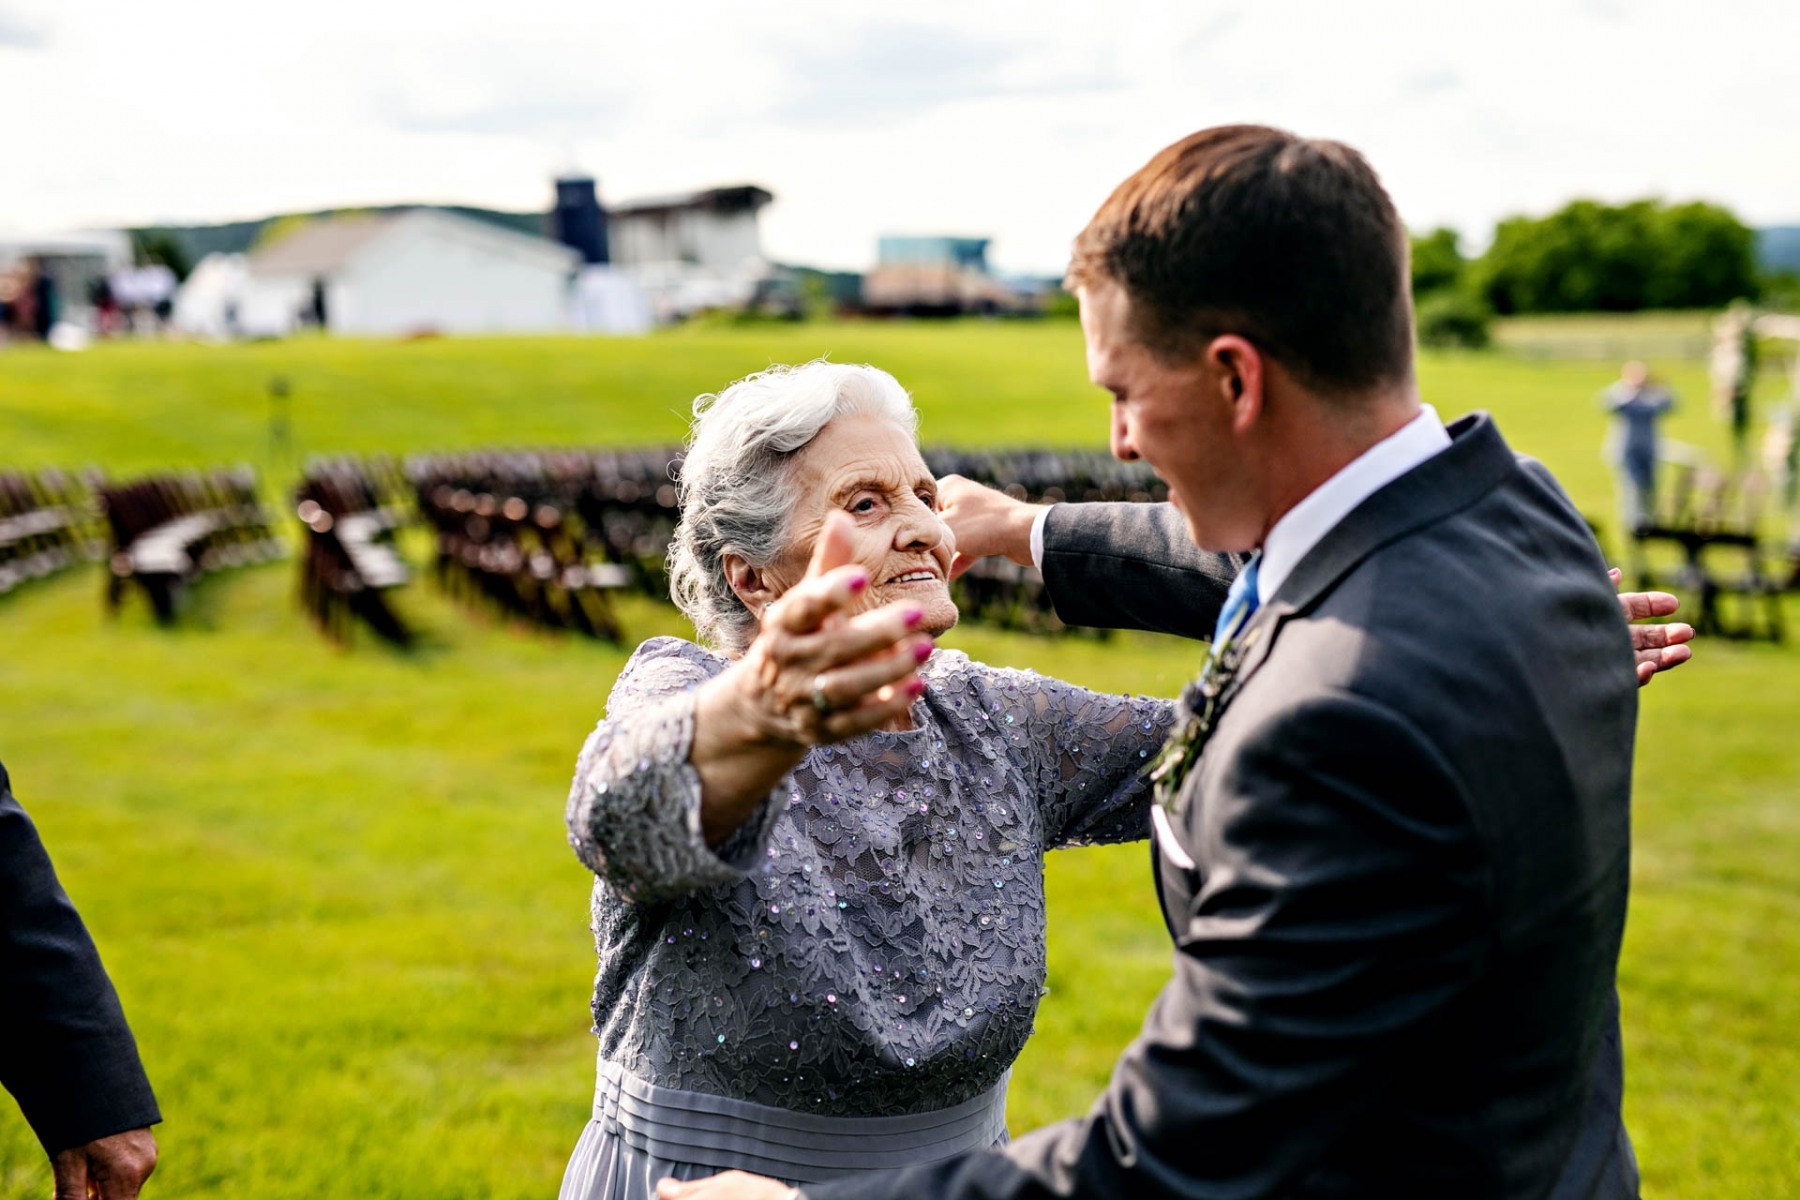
point(1713, 518)
point(544, 534)
point(169, 530)
point(548, 536)
point(46, 525)
point(349, 512)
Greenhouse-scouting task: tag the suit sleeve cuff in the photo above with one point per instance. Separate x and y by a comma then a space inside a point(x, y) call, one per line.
point(1037, 536)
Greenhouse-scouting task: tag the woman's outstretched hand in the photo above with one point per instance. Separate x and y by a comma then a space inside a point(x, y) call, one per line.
point(815, 674)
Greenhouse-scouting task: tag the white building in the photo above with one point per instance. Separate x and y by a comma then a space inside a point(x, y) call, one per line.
point(412, 272)
point(210, 300)
point(693, 252)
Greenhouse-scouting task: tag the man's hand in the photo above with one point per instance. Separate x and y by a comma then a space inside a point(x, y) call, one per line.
point(985, 522)
point(108, 1168)
point(1658, 647)
point(732, 1185)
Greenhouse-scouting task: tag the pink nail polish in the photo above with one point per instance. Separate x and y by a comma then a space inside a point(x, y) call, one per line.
point(923, 650)
point(915, 687)
point(858, 583)
point(914, 616)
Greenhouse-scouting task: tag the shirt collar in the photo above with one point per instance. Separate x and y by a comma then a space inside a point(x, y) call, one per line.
point(1304, 525)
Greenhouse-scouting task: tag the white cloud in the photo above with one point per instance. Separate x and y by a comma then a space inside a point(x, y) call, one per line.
point(1007, 119)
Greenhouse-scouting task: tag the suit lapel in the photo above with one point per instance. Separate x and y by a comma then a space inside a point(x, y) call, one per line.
point(1476, 461)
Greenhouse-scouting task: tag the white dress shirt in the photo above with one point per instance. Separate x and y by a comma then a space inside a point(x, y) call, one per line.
point(1307, 523)
point(1301, 528)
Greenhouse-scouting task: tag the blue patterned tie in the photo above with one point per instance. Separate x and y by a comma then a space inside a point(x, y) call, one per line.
point(1241, 601)
point(1201, 699)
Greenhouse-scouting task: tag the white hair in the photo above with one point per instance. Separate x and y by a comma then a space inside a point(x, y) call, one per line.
point(736, 483)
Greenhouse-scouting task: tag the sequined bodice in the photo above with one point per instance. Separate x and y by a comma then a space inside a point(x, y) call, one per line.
point(871, 942)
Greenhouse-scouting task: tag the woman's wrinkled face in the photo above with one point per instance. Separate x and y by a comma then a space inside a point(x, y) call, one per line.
point(865, 465)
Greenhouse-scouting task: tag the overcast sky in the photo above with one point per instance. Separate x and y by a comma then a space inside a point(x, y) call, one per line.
point(1010, 120)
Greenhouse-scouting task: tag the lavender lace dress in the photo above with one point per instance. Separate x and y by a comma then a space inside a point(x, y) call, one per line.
point(845, 982)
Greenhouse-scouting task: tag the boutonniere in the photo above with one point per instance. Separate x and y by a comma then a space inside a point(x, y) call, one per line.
point(1198, 711)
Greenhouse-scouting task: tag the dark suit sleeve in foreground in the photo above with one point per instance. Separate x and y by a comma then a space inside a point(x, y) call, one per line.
point(1342, 909)
point(66, 1053)
point(1132, 566)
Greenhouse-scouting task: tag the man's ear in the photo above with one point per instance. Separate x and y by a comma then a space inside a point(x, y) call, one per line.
point(748, 582)
point(1238, 366)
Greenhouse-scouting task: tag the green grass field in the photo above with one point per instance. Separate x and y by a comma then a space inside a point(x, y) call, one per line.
point(333, 889)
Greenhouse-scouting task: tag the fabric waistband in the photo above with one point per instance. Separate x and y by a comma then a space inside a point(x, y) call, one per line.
point(731, 1134)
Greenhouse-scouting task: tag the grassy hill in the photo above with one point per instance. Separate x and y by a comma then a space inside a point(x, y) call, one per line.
point(333, 887)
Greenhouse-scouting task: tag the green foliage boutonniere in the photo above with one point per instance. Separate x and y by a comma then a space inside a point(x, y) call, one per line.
point(1199, 711)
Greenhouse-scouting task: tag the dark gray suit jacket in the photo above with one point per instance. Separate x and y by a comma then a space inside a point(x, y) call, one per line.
point(1395, 949)
point(66, 1053)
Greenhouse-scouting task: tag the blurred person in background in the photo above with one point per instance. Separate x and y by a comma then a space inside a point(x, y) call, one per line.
point(1734, 363)
point(106, 307)
point(1636, 403)
point(45, 302)
point(18, 302)
point(66, 1053)
point(9, 293)
point(1781, 442)
point(1781, 460)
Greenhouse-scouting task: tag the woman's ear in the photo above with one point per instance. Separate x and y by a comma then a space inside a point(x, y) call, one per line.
point(749, 583)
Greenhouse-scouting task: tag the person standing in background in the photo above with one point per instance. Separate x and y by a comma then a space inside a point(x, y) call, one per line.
point(1636, 403)
point(1734, 375)
point(43, 300)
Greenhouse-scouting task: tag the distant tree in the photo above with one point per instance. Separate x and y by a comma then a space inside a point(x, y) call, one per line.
point(1452, 318)
point(1448, 313)
point(1588, 257)
point(1706, 257)
point(159, 247)
point(1437, 261)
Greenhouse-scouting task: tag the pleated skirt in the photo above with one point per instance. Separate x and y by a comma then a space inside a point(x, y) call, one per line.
point(641, 1132)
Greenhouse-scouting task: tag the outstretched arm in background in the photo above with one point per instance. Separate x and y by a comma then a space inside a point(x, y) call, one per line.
point(66, 1055)
point(1131, 566)
point(1661, 647)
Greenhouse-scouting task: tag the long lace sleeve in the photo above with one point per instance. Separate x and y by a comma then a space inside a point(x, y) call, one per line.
point(1088, 753)
point(634, 806)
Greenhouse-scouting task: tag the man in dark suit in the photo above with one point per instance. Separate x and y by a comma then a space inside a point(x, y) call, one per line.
point(1394, 840)
point(66, 1053)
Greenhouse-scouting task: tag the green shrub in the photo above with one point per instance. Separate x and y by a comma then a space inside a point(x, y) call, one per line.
point(1594, 257)
point(1453, 319)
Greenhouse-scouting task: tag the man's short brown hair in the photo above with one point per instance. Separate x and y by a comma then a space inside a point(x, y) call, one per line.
point(1287, 241)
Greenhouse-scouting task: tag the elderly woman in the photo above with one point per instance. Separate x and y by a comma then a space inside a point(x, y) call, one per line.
point(819, 907)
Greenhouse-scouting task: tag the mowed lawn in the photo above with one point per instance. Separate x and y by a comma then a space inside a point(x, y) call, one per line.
point(333, 887)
